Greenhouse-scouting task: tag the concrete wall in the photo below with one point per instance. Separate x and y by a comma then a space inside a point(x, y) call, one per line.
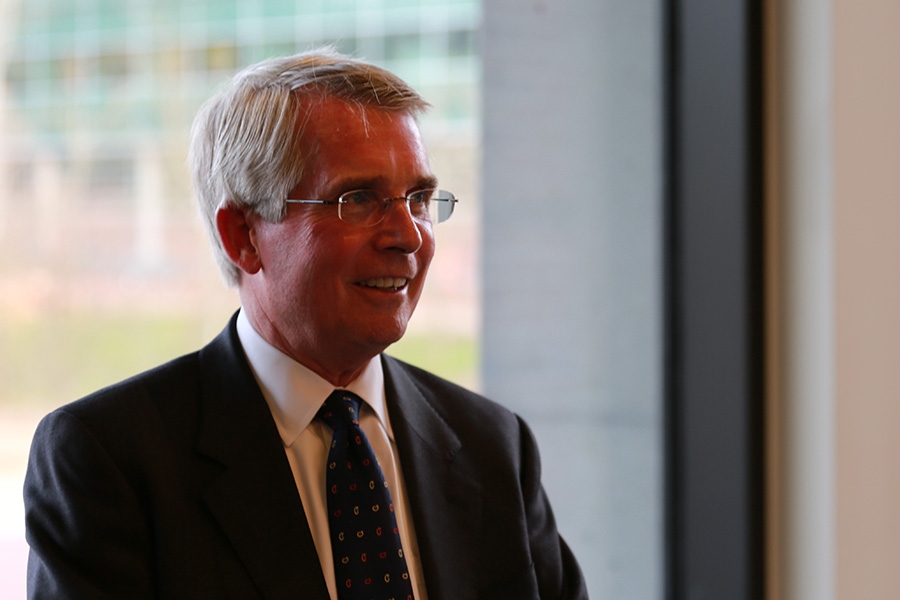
point(572, 273)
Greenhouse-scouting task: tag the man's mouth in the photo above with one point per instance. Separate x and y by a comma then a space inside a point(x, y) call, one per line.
point(385, 283)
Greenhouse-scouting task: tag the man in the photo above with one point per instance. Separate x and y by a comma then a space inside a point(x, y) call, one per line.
point(207, 477)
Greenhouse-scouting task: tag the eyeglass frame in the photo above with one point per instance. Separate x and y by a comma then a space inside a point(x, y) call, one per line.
point(340, 201)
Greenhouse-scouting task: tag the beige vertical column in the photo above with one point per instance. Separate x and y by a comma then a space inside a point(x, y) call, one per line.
point(48, 195)
point(867, 299)
point(149, 211)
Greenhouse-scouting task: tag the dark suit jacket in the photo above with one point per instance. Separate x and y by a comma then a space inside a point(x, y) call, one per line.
point(175, 484)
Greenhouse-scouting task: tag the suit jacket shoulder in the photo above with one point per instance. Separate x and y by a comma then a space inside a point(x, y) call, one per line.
point(172, 484)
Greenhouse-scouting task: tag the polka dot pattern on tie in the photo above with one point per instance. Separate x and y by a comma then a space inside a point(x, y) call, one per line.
point(368, 557)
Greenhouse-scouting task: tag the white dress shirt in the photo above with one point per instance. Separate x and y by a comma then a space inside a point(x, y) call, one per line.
point(294, 394)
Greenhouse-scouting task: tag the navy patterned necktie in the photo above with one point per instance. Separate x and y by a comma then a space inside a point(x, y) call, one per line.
point(368, 557)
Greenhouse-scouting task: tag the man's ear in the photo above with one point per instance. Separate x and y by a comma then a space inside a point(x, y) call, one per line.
point(236, 230)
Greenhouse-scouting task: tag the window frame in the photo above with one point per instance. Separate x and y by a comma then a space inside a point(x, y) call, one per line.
point(714, 368)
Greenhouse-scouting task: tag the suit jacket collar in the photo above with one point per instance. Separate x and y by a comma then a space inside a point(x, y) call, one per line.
point(255, 499)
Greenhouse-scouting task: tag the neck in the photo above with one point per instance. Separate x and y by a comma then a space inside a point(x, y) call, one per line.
point(339, 379)
point(339, 368)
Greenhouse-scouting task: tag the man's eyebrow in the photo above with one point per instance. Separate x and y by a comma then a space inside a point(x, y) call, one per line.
point(428, 182)
point(373, 183)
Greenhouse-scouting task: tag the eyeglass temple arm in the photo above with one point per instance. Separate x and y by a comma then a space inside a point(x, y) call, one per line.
point(300, 201)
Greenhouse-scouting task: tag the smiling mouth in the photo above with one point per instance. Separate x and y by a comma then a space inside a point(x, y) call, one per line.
point(385, 283)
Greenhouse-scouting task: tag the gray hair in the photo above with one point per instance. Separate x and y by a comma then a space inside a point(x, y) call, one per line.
point(246, 140)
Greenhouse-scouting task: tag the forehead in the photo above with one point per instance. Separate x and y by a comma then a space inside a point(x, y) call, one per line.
point(329, 118)
point(347, 140)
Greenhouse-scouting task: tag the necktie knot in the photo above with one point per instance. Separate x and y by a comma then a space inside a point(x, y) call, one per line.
point(341, 410)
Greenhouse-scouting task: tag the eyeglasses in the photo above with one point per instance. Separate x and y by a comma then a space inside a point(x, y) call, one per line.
point(365, 208)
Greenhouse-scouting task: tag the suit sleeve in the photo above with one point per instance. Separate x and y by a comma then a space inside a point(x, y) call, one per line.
point(88, 537)
point(558, 574)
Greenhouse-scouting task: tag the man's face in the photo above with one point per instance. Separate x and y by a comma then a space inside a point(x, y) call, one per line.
point(329, 292)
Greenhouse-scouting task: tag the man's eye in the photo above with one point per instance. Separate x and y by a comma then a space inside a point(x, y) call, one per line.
point(421, 197)
point(359, 197)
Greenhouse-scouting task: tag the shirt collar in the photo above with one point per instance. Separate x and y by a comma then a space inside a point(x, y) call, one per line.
point(295, 393)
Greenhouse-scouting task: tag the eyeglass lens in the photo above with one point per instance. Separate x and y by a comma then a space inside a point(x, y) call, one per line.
point(365, 207)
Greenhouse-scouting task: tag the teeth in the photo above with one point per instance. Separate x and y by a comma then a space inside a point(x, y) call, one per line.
point(386, 282)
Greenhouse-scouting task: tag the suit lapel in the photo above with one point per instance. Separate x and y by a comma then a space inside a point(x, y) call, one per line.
point(445, 505)
point(255, 499)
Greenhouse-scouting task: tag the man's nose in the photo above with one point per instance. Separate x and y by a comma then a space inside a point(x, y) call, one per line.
point(401, 229)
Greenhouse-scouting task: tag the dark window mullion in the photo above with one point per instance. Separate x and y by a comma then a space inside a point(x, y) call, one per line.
point(714, 298)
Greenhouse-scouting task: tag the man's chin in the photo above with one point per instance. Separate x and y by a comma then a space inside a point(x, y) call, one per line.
point(388, 336)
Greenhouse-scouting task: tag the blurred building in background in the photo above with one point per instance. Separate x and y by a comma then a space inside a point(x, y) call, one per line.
point(96, 102)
